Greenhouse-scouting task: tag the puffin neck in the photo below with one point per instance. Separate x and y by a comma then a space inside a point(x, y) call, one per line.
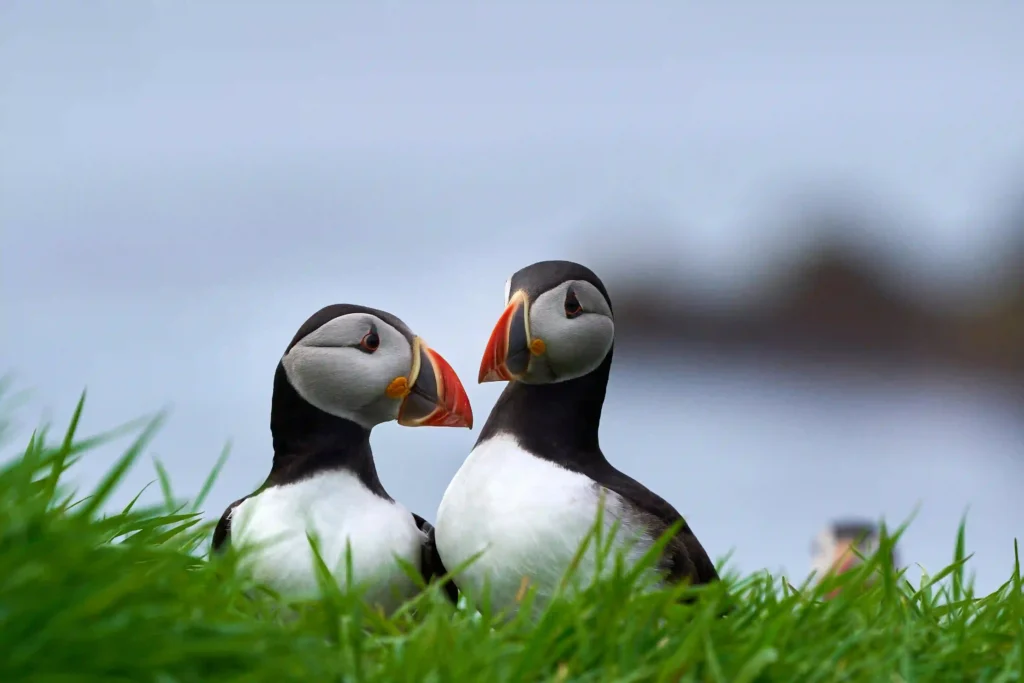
point(308, 441)
point(558, 422)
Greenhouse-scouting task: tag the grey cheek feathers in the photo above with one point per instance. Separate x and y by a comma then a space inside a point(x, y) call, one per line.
point(575, 347)
point(348, 383)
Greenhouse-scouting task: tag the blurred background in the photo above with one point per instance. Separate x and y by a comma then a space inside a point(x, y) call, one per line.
point(810, 217)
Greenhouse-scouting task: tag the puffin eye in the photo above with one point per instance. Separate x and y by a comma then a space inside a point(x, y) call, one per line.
point(370, 342)
point(572, 304)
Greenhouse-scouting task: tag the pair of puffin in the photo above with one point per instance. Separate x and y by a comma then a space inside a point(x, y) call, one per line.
point(524, 499)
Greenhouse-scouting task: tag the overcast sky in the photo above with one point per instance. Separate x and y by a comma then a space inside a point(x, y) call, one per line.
point(183, 183)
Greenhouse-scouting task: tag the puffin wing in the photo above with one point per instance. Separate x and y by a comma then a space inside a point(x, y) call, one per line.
point(222, 532)
point(430, 563)
point(684, 557)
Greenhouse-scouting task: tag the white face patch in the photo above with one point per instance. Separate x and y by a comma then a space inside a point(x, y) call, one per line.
point(824, 549)
point(508, 290)
point(575, 346)
point(329, 370)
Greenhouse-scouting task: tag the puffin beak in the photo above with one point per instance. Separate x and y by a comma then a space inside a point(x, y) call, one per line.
point(433, 395)
point(507, 356)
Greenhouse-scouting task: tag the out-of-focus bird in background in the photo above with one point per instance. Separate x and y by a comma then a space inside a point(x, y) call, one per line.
point(833, 549)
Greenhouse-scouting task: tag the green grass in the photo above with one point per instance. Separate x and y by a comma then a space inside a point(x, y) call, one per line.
point(87, 595)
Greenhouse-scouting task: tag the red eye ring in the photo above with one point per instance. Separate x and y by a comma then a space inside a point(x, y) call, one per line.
point(370, 341)
point(572, 305)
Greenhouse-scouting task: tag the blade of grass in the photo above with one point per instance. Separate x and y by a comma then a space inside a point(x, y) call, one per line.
point(211, 478)
point(60, 460)
point(120, 468)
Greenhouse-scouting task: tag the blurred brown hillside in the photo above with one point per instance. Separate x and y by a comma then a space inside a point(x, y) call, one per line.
point(835, 304)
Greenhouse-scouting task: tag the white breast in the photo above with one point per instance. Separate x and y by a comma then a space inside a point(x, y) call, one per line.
point(528, 516)
point(336, 509)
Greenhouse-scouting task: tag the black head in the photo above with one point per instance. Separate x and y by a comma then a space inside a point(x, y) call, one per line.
point(855, 531)
point(362, 366)
point(557, 326)
point(538, 278)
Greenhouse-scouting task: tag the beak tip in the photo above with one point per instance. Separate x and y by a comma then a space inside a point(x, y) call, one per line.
point(451, 406)
point(462, 411)
point(491, 371)
point(484, 374)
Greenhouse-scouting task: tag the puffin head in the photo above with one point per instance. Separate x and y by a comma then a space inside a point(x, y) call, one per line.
point(366, 366)
point(557, 325)
point(832, 549)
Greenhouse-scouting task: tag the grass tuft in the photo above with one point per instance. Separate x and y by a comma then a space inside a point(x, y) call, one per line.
point(92, 595)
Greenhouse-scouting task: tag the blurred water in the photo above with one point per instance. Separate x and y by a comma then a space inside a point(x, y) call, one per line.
point(759, 460)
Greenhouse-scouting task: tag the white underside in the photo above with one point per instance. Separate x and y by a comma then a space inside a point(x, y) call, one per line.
point(529, 517)
point(336, 509)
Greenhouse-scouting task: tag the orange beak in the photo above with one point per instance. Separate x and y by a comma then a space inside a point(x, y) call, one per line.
point(435, 395)
point(508, 352)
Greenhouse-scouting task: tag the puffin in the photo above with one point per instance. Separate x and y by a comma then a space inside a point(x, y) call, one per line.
point(832, 549)
point(529, 491)
point(346, 370)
